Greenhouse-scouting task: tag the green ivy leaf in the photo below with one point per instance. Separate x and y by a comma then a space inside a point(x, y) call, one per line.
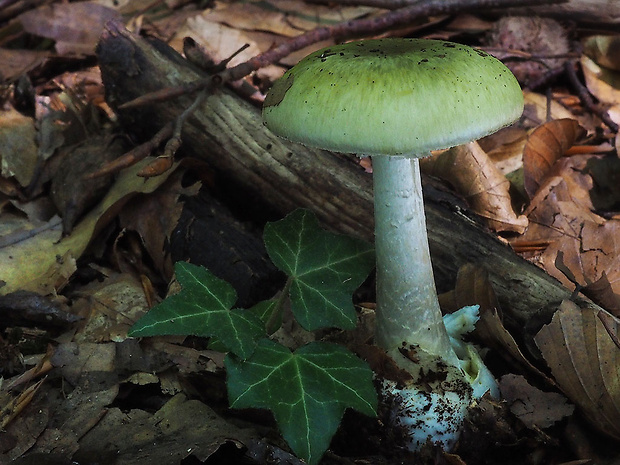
point(326, 269)
point(202, 308)
point(307, 390)
point(263, 310)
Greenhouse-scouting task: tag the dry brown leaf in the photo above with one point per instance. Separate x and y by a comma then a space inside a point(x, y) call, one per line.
point(585, 362)
point(507, 154)
point(154, 218)
point(16, 405)
point(561, 214)
point(473, 287)
point(253, 16)
point(535, 408)
point(472, 173)
point(544, 147)
point(563, 202)
point(604, 84)
point(14, 63)
point(469, 24)
point(601, 249)
point(531, 34)
point(590, 252)
point(283, 17)
point(186, 360)
point(180, 429)
point(72, 191)
point(75, 27)
point(602, 292)
point(109, 308)
point(539, 109)
point(52, 424)
point(219, 40)
point(39, 370)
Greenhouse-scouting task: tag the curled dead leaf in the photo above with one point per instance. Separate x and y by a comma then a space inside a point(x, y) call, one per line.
point(473, 174)
point(601, 292)
point(544, 147)
point(472, 287)
point(585, 362)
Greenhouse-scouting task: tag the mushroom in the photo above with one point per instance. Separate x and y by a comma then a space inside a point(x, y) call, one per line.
point(395, 100)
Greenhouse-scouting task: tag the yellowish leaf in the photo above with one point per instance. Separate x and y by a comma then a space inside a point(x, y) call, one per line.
point(32, 258)
point(19, 149)
point(603, 83)
point(604, 49)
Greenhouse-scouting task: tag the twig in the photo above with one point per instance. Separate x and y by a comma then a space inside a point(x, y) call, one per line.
point(136, 154)
point(586, 98)
point(506, 54)
point(346, 29)
point(385, 4)
point(12, 8)
point(24, 234)
point(5, 3)
point(397, 4)
point(165, 160)
point(360, 27)
point(546, 78)
point(351, 28)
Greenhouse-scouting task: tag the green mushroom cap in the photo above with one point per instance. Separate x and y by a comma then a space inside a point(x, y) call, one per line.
point(393, 97)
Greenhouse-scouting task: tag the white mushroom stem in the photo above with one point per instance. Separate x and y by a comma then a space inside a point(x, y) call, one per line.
point(433, 404)
point(408, 311)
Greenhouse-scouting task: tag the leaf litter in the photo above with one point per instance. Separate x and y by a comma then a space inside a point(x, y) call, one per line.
point(80, 374)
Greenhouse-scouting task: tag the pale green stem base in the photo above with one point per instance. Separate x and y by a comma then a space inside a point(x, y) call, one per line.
point(407, 307)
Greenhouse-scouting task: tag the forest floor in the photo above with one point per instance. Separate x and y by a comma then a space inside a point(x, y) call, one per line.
point(83, 257)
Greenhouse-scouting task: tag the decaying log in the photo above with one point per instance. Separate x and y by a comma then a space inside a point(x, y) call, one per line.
point(227, 133)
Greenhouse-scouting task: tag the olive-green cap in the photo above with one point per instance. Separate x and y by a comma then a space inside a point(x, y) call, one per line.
point(393, 97)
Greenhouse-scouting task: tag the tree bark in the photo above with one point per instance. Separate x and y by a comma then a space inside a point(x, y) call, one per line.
point(228, 134)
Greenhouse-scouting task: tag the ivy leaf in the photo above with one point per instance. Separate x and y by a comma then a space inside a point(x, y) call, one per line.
point(325, 268)
point(265, 312)
point(307, 390)
point(262, 310)
point(202, 308)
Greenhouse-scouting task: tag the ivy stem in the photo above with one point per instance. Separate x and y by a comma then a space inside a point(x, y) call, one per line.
point(273, 323)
